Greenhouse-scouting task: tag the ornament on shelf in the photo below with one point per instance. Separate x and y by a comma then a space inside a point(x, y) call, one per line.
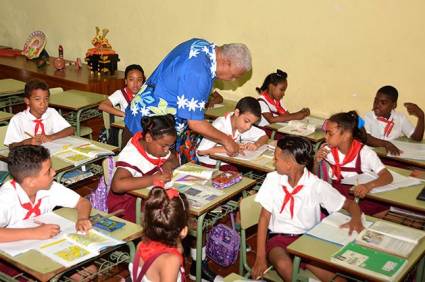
point(59, 62)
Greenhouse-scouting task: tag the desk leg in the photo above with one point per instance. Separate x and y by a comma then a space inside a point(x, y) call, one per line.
point(295, 268)
point(120, 138)
point(199, 247)
point(132, 249)
point(138, 211)
point(272, 135)
point(420, 271)
point(78, 122)
point(218, 164)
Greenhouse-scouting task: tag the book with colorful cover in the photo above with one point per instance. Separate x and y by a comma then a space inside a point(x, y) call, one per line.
point(369, 261)
point(195, 170)
point(105, 223)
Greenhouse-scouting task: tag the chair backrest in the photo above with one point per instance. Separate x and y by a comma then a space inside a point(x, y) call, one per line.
point(107, 169)
point(250, 212)
point(106, 120)
point(56, 90)
point(3, 130)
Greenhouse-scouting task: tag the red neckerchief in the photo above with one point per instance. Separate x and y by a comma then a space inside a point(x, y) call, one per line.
point(289, 197)
point(150, 248)
point(389, 124)
point(28, 206)
point(136, 142)
point(274, 102)
point(127, 92)
point(354, 150)
point(39, 124)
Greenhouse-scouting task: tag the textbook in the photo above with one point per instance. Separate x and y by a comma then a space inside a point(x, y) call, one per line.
point(368, 261)
point(105, 223)
point(392, 238)
point(74, 248)
point(198, 195)
point(82, 154)
point(298, 127)
point(194, 170)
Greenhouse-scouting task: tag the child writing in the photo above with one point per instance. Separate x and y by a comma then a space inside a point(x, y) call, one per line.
point(38, 123)
point(33, 192)
point(347, 156)
point(384, 124)
point(159, 255)
point(237, 124)
point(271, 94)
point(134, 79)
point(146, 160)
point(291, 198)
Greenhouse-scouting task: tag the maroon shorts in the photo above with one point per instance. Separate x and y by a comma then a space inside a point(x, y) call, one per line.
point(280, 240)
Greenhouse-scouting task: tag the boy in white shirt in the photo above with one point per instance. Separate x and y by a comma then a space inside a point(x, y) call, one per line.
point(237, 124)
point(33, 192)
point(134, 79)
point(38, 123)
point(384, 124)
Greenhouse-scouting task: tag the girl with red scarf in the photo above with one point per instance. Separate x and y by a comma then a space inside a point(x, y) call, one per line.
point(348, 156)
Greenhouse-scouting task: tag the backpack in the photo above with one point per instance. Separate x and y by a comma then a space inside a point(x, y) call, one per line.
point(99, 196)
point(223, 244)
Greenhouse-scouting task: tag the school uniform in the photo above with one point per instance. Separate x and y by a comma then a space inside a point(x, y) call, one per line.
point(121, 97)
point(270, 105)
point(15, 204)
point(358, 160)
point(24, 122)
point(392, 128)
point(295, 210)
point(139, 163)
point(224, 124)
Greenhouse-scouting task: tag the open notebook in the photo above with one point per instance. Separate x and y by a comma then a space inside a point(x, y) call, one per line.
point(410, 150)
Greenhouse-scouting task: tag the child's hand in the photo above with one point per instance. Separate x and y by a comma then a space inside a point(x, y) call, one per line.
point(306, 112)
point(164, 176)
point(392, 149)
point(45, 138)
point(321, 153)
point(46, 231)
point(353, 225)
point(248, 147)
point(414, 110)
point(232, 148)
point(258, 269)
point(83, 225)
point(361, 190)
point(36, 140)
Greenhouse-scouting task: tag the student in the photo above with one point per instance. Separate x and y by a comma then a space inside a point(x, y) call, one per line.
point(33, 192)
point(384, 124)
point(134, 79)
point(165, 224)
point(291, 198)
point(38, 123)
point(347, 156)
point(271, 94)
point(146, 160)
point(237, 124)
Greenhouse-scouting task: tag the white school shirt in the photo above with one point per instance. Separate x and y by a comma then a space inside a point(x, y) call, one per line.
point(132, 160)
point(370, 162)
point(11, 199)
point(224, 124)
point(307, 202)
point(24, 122)
point(266, 107)
point(402, 126)
point(117, 98)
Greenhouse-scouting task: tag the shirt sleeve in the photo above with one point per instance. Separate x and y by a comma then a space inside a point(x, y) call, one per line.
point(265, 195)
point(253, 134)
point(406, 126)
point(13, 133)
point(207, 143)
point(368, 123)
point(264, 107)
point(59, 123)
point(115, 97)
point(63, 197)
point(370, 160)
point(329, 197)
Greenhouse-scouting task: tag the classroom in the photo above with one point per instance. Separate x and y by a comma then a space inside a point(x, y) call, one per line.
point(126, 115)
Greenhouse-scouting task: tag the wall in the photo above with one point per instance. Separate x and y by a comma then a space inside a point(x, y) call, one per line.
point(337, 53)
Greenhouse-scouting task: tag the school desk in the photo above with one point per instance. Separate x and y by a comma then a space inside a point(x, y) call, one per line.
point(315, 137)
point(44, 269)
point(81, 104)
point(233, 277)
point(199, 214)
point(11, 93)
point(262, 163)
point(221, 109)
point(320, 251)
point(5, 116)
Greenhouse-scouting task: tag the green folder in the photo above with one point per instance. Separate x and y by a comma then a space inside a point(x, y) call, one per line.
point(369, 261)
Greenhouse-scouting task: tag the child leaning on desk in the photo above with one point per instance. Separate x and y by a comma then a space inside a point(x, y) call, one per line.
point(347, 156)
point(291, 198)
point(33, 192)
point(239, 125)
point(384, 124)
point(38, 123)
point(146, 160)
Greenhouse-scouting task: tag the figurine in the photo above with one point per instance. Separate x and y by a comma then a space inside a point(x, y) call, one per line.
point(59, 62)
point(78, 64)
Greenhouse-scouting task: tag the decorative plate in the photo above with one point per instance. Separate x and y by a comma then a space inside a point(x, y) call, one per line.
point(34, 45)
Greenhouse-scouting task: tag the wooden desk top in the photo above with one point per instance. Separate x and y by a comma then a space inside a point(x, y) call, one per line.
point(44, 269)
point(118, 123)
point(416, 163)
point(5, 116)
point(11, 86)
point(70, 78)
point(221, 109)
point(75, 100)
point(262, 163)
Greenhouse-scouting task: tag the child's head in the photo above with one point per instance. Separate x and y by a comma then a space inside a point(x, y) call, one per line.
point(36, 96)
point(30, 166)
point(385, 101)
point(342, 128)
point(166, 215)
point(159, 133)
point(247, 112)
point(275, 84)
point(134, 77)
point(293, 152)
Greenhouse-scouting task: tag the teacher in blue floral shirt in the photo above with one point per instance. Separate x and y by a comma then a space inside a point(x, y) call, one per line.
point(181, 84)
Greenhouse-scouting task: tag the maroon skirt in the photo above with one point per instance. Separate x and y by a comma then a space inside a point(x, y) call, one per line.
point(124, 201)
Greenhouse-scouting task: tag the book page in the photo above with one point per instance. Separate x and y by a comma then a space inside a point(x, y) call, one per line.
point(248, 155)
point(64, 144)
point(194, 170)
point(398, 231)
point(75, 158)
point(92, 150)
point(93, 240)
point(410, 150)
point(297, 127)
point(198, 196)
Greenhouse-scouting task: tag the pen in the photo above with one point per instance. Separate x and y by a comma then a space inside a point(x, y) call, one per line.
point(29, 135)
point(356, 198)
point(264, 272)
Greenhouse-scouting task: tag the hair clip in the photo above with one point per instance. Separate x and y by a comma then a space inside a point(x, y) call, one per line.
point(360, 122)
point(173, 193)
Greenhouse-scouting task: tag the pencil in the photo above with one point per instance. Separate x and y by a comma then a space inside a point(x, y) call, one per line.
point(356, 198)
point(264, 272)
point(29, 134)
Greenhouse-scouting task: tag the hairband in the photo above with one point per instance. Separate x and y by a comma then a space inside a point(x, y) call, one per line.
point(360, 122)
point(173, 193)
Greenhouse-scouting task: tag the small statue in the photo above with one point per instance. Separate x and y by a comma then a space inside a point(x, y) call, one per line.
point(78, 64)
point(100, 41)
point(59, 62)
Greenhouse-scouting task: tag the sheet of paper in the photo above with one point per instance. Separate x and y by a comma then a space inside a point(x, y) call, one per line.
point(248, 155)
point(297, 127)
point(64, 143)
point(410, 150)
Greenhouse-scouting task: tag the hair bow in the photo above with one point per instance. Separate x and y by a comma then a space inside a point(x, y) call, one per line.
point(172, 193)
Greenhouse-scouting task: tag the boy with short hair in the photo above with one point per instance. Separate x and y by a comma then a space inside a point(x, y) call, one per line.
point(383, 123)
point(38, 123)
point(237, 124)
point(33, 192)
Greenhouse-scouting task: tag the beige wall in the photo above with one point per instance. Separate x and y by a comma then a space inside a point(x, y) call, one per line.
point(337, 53)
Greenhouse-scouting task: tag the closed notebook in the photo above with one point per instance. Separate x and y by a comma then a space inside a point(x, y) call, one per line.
point(105, 223)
